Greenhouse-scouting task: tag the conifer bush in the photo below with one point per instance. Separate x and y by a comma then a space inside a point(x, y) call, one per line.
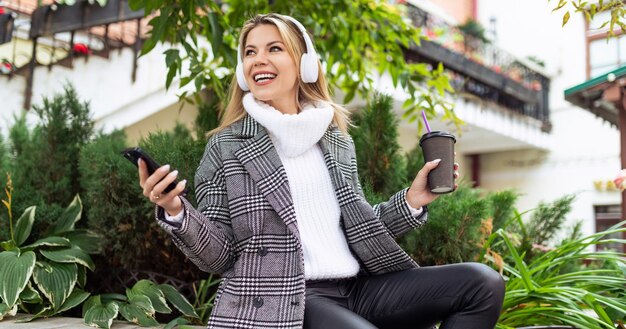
point(44, 158)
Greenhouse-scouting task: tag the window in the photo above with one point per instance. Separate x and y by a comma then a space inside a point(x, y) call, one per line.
point(607, 216)
point(604, 55)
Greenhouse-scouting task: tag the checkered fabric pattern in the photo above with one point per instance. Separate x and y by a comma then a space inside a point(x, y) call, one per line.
point(245, 226)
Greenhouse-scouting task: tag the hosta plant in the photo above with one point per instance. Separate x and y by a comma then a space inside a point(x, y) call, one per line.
point(139, 305)
point(47, 276)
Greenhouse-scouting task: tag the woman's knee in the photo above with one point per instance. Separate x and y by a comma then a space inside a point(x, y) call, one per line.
point(486, 278)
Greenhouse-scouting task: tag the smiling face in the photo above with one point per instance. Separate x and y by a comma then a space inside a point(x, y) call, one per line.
point(270, 71)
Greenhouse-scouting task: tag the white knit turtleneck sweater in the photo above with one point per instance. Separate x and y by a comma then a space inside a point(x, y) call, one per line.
point(295, 137)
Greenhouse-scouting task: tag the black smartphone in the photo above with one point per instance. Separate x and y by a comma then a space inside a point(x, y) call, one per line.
point(134, 153)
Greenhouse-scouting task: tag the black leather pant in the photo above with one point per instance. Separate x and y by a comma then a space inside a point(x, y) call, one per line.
point(467, 295)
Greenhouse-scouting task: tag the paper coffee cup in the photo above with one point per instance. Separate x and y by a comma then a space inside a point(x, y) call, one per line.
point(439, 145)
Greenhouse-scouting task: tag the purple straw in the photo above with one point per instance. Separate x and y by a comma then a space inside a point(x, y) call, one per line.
point(425, 121)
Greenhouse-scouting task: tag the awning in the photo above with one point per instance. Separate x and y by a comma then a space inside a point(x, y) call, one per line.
point(600, 95)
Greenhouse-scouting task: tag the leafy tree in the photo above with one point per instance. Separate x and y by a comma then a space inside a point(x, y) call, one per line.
point(353, 37)
point(617, 8)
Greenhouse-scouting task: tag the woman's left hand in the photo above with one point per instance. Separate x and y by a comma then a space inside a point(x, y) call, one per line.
point(419, 194)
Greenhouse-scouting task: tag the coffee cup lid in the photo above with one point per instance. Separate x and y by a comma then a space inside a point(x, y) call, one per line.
point(436, 134)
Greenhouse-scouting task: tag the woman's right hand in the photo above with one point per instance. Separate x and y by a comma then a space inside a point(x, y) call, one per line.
point(153, 186)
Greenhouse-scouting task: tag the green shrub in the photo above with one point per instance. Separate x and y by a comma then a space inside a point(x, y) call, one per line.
point(119, 211)
point(45, 158)
point(47, 276)
point(139, 305)
point(458, 224)
point(375, 135)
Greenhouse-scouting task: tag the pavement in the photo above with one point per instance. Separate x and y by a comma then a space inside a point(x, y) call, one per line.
point(65, 323)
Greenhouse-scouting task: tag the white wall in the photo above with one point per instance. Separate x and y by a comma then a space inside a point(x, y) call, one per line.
point(585, 147)
point(116, 101)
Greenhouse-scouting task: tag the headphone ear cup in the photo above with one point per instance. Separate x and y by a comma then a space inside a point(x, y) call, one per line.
point(308, 68)
point(241, 78)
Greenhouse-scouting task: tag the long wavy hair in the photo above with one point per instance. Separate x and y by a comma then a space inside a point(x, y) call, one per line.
point(306, 92)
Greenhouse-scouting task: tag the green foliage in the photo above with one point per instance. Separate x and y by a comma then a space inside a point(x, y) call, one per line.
point(47, 276)
point(457, 226)
point(138, 305)
point(118, 210)
point(375, 135)
point(616, 7)
point(474, 29)
point(546, 220)
point(205, 291)
point(372, 37)
point(543, 292)
point(208, 115)
point(45, 158)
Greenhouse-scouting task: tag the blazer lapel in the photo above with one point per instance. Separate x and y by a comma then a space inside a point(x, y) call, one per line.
point(337, 155)
point(259, 157)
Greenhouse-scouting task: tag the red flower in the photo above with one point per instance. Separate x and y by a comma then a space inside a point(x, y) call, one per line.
point(2, 11)
point(80, 49)
point(620, 179)
point(6, 67)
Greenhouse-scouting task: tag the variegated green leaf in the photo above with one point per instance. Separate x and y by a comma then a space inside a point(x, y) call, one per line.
point(56, 281)
point(82, 276)
point(76, 298)
point(139, 310)
point(88, 241)
point(90, 302)
point(24, 225)
point(15, 271)
point(9, 246)
point(51, 241)
point(30, 295)
point(69, 255)
point(100, 315)
point(45, 312)
point(5, 310)
point(148, 288)
point(176, 322)
point(69, 217)
point(178, 300)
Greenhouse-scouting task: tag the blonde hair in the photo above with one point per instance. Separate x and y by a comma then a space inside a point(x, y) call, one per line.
point(306, 92)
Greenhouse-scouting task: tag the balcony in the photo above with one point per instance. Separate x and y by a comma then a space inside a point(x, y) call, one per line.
point(482, 70)
point(33, 33)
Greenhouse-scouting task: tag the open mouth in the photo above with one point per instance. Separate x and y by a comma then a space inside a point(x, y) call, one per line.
point(263, 77)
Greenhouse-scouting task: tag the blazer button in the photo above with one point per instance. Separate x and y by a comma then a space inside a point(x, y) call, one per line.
point(262, 251)
point(257, 302)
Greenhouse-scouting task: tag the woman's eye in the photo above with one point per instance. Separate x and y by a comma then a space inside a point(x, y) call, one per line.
point(275, 48)
point(249, 52)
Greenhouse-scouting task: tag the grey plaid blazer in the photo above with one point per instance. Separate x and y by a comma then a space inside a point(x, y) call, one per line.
point(245, 226)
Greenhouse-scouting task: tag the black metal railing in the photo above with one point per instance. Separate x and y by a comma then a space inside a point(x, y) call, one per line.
point(49, 21)
point(482, 69)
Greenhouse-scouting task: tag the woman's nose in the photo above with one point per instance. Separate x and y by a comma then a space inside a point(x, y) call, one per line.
point(260, 59)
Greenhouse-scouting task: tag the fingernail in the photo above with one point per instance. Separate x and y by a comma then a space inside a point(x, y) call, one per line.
point(166, 167)
point(139, 161)
point(436, 161)
point(174, 173)
point(184, 182)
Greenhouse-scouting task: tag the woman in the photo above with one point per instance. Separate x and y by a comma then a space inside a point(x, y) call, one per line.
point(281, 216)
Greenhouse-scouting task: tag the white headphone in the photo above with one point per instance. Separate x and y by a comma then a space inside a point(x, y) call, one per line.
point(308, 62)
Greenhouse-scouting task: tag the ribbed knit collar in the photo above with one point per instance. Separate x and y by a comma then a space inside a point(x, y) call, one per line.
point(292, 134)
